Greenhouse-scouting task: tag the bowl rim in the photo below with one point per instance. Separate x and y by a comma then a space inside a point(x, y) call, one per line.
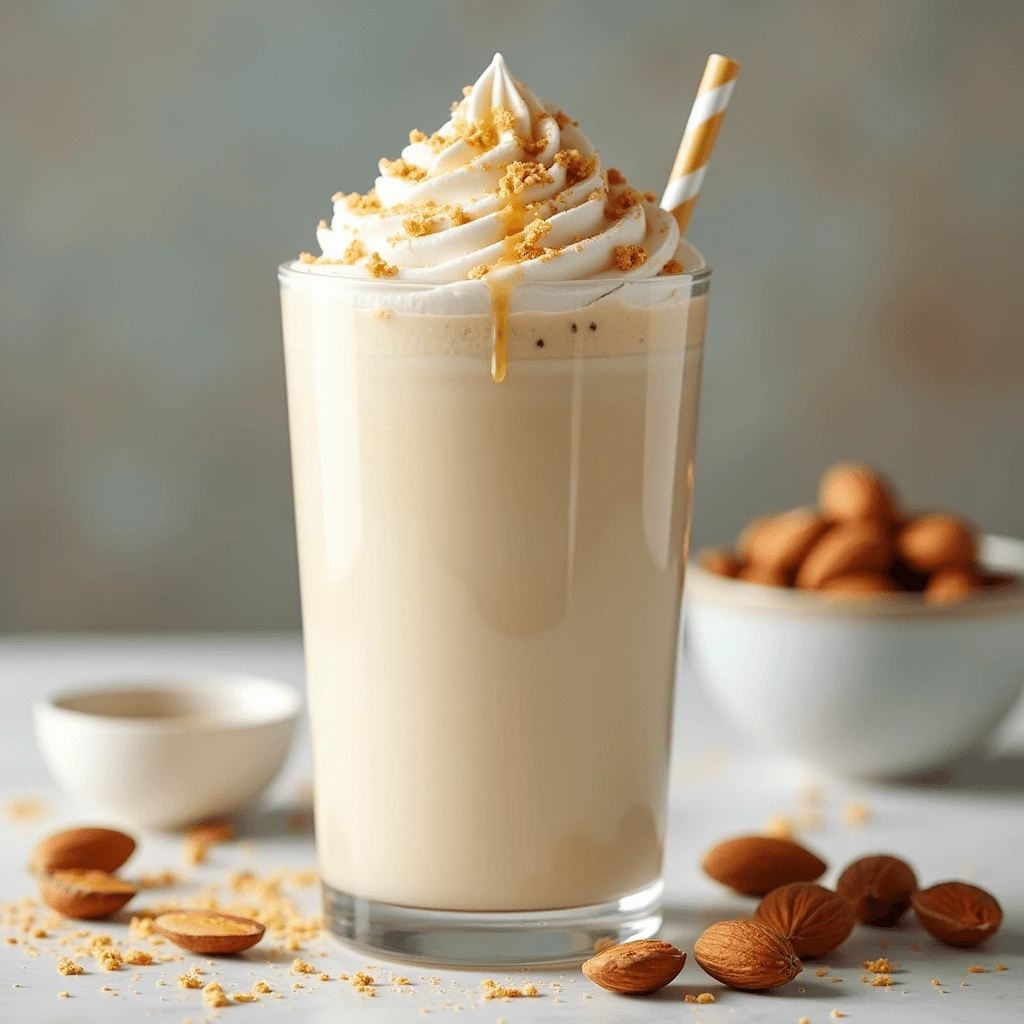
point(997, 553)
point(286, 705)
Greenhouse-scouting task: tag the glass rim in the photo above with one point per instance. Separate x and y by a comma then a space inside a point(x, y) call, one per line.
point(287, 271)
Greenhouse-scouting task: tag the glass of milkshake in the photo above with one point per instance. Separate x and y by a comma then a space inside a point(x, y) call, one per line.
point(493, 375)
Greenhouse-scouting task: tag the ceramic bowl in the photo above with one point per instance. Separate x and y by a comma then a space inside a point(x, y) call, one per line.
point(161, 753)
point(877, 687)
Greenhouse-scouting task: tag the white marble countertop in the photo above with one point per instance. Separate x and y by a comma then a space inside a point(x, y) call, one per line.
point(973, 829)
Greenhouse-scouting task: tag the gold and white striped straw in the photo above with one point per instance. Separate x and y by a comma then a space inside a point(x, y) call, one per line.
point(706, 118)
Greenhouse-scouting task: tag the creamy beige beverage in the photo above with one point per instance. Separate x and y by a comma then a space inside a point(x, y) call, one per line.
point(491, 572)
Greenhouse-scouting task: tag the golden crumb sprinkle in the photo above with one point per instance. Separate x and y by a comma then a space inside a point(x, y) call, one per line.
point(213, 996)
point(195, 850)
point(479, 271)
point(676, 267)
point(466, 90)
point(476, 134)
point(24, 809)
point(301, 967)
point(307, 257)
point(562, 119)
point(376, 266)
point(577, 167)
point(1001, 967)
point(261, 988)
point(856, 813)
point(705, 997)
point(529, 248)
point(836, 1014)
point(64, 995)
point(492, 990)
point(615, 176)
point(521, 175)
point(138, 958)
point(67, 966)
point(418, 224)
point(620, 202)
point(504, 120)
point(244, 997)
point(189, 981)
point(976, 970)
point(401, 169)
point(163, 879)
point(109, 959)
point(417, 136)
point(357, 203)
point(779, 826)
point(804, 1020)
point(881, 981)
point(649, 196)
point(880, 966)
point(354, 252)
point(629, 257)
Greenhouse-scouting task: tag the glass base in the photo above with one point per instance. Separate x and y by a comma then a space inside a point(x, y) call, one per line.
point(516, 939)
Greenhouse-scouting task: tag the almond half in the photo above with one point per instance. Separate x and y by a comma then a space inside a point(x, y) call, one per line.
point(957, 913)
point(208, 931)
point(754, 865)
point(635, 968)
point(103, 849)
point(84, 892)
point(814, 919)
point(746, 955)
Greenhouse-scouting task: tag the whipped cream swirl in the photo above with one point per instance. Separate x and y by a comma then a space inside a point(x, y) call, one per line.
point(509, 188)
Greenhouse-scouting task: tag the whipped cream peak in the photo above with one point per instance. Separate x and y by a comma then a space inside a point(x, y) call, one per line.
point(508, 187)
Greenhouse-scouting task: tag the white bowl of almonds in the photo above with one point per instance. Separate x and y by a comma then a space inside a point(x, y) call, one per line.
point(863, 639)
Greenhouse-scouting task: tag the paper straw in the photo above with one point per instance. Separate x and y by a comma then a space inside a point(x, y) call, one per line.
point(706, 117)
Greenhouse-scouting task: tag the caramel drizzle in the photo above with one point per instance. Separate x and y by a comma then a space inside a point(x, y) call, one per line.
point(501, 290)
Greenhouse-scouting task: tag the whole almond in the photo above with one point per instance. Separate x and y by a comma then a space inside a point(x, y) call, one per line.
point(754, 865)
point(766, 575)
point(635, 968)
point(746, 955)
point(951, 584)
point(879, 887)
point(932, 542)
point(748, 536)
point(814, 919)
point(781, 541)
point(104, 849)
point(861, 545)
point(852, 491)
point(720, 562)
point(957, 913)
point(859, 584)
point(84, 892)
point(209, 931)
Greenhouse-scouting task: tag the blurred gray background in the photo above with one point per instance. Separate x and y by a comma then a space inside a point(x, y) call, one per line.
point(863, 213)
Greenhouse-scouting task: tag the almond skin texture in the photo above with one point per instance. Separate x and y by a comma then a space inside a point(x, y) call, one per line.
point(782, 541)
point(746, 955)
point(754, 865)
point(861, 545)
point(852, 491)
point(879, 887)
point(766, 575)
point(859, 584)
point(635, 968)
point(84, 892)
point(721, 563)
point(103, 849)
point(814, 919)
point(932, 542)
point(957, 913)
point(209, 931)
point(952, 584)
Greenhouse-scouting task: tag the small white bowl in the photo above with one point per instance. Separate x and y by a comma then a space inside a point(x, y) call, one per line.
point(160, 753)
point(874, 688)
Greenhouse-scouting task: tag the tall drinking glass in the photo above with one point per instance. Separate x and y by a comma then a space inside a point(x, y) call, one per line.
point(491, 582)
